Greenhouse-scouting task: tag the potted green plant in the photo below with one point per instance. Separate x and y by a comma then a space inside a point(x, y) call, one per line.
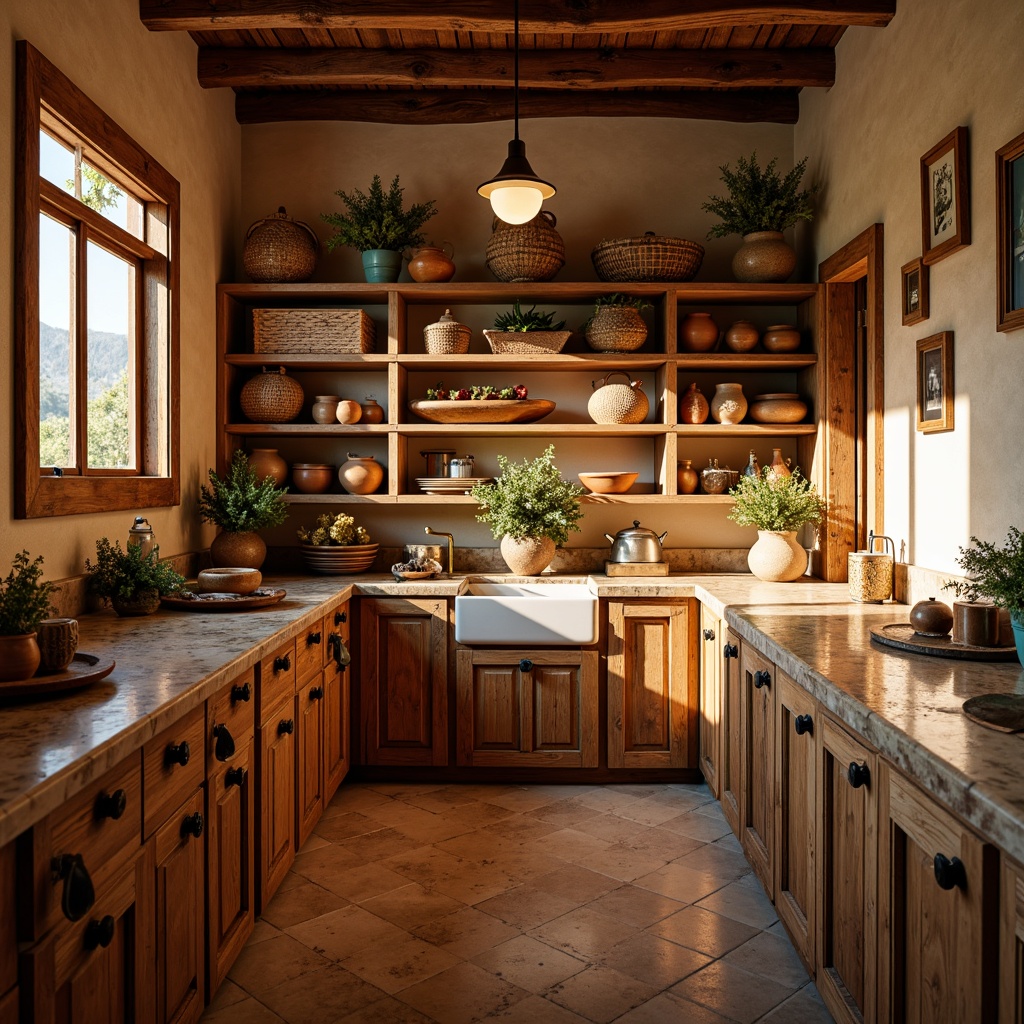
point(24, 603)
point(240, 504)
point(760, 206)
point(526, 333)
point(778, 506)
point(133, 582)
point(616, 324)
point(379, 226)
point(531, 509)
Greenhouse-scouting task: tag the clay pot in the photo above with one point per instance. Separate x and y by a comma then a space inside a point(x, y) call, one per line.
point(764, 256)
point(693, 406)
point(931, 618)
point(145, 602)
point(975, 623)
point(19, 656)
point(776, 557)
point(371, 411)
point(781, 338)
point(728, 404)
point(325, 409)
point(348, 411)
point(265, 462)
point(312, 477)
point(779, 467)
point(432, 263)
point(232, 579)
point(742, 336)
point(527, 556)
point(246, 549)
point(361, 474)
point(58, 641)
point(687, 479)
point(779, 408)
point(698, 333)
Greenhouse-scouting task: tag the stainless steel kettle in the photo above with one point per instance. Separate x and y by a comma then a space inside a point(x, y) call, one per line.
point(636, 544)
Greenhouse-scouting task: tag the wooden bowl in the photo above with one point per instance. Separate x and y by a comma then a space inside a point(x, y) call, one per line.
point(312, 477)
point(228, 581)
point(778, 408)
point(609, 482)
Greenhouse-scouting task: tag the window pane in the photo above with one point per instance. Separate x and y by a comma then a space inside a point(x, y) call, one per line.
point(102, 195)
point(111, 360)
point(56, 162)
point(56, 342)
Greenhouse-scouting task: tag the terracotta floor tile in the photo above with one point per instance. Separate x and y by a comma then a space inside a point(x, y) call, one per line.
point(712, 808)
point(716, 860)
point(529, 963)
point(536, 1010)
point(462, 994)
point(742, 903)
point(525, 798)
point(356, 797)
point(290, 881)
point(412, 905)
point(651, 810)
point(324, 862)
point(262, 931)
point(340, 934)
point(568, 844)
point(638, 907)
point(697, 826)
point(732, 992)
point(679, 883)
point(425, 865)
point(339, 827)
point(442, 800)
point(478, 813)
point(575, 883)
point(584, 932)
point(609, 827)
point(704, 931)
point(266, 964)
point(292, 906)
point(478, 846)
point(466, 933)
point(519, 828)
point(729, 842)
point(772, 956)
point(525, 907)
point(375, 846)
point(565, 812)
point(395, 964)
point(622, 862)
point(228, 994)
point(248, 1011)
point(355, 882)
point(478, 883)
point(653, 960)
point(607, 799)
point(637, 790)
point(388, 1010)
point(805, 1007)
point(601, 994)
point(666, 1008)
point(659, 842)
point(402, 790)
point(323, 995)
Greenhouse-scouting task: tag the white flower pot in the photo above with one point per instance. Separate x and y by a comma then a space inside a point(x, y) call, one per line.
point(776, 557)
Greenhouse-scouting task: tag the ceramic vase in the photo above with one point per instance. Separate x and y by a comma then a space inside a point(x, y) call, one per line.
point(527, 556)
point(431, 263)
point(764, 256)
point(145, 602)
point(382, 265)
point(698, 333)
point(728, 404)
point(779, 467)
point(19, 656)
point(372, 412)
point(776, 557)
point(245, 549)
point(325, 408)
point(361, 474)
point(686, 477)
point(742, 336)
point(693, 406)
point(265, 462)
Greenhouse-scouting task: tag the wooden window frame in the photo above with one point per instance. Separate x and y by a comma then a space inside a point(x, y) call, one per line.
point(46, 98)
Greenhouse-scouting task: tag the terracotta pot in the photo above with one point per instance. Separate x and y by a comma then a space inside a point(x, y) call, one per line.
point(312, 477)
point(728, 404)
point(764, 256)
point(778, 467)
point(361, 474)
point(348, 411)
point(246, 549)
point(693, 406)
point(781, 338)
point(698, 333)
point(371, 411)
point(19, 656)
point(776, 557)
point(432, 263)
point(687, 479)
point(145, 602)
point(742, 336)
point(325, 409)
point(58, 641)
point(778, 408)
point(265, 462)
point(527, 556)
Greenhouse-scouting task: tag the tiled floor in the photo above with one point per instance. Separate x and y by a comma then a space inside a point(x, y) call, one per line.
point(526, 904)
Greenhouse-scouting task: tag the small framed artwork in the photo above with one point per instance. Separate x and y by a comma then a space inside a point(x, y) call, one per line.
point(935, 383)
point(1010, 235)
point(945, 214)
point(915, 292)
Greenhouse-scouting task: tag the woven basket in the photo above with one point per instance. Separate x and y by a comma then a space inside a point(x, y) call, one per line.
point(526, 343)
point(616, 329)
point(533, 251)
point(280, 249)
point(312, 330)
point(648, 258)
point(447, 337)
point(272, 397)
point(618, 403)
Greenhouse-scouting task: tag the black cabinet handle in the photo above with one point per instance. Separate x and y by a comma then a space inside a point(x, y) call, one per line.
point(241, 693)
point(316, 693)
point(803, 724)
point(111, 805)
point(286, 727)
point(762, 677)
point(340, 617)
point(177, 753)
point(858, 774)
point(225, 745)
point(235, 777)
point(99, 933)
point(525, 665)
point(950, 873)
point(313, 639)
point(192, 825)
point(709, 634)
point(338, 651)
point(730, 650)
point(282, 664)
point(78, 895)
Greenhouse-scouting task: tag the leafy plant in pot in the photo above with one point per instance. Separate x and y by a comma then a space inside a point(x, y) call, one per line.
point(778, 506)
point(379, 226)
point(240, 504)
point(133, 582)
point(24, 603)
point(519, 333)
point(531, 509)
point(616, 324)
point(760, 206)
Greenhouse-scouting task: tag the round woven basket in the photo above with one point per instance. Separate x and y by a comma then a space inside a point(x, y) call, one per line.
point(279, 249)
point(272, 397)
point(533, 251)
point(618, 403)
point(447, 337)
point(526, 343)
point(616, 329)
point(650, 257)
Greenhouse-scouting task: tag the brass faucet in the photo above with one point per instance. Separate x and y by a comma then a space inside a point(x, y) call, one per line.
point(451, 547)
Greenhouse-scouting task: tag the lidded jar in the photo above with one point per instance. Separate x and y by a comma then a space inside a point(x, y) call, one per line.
point(447, 337)
point(361, 474)
point(618, 403)
point(729, 404)
point(931, 618)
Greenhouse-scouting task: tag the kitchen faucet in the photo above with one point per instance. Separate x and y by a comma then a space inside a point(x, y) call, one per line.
point(451, 546)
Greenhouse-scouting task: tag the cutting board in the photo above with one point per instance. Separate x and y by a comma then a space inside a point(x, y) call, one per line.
point(636, 568)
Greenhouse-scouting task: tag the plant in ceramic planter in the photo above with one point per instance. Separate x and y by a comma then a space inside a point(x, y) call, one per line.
point(531, 509)
point(336, 545)
point(778, 507)
point(133, 582)
point(523, 333)
point(24, 603)
point(240, 504)
point(379, 226)
point(760, 206)
point(616, 324)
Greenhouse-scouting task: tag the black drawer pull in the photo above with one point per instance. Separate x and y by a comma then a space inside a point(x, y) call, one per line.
point(235, 777)
point(313, 639)
point(950, 873)
point(286, 727)
point(803, 724)
point(111, 805)
point(858, 774)
point(730, 650)
point(99, 933)
point(762, 677)
point(316, 693)
point(338, 650)
point(177, 753)
point(77, 896)
point(282, 664)
point(241, 693)
point(192, 825)
point(225, 745)
point(709, 634)
point(525, 665)
point(340, 617)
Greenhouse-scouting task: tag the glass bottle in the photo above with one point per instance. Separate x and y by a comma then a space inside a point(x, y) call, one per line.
point(753, 467)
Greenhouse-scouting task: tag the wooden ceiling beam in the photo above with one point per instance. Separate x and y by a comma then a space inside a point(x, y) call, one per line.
point(535, 16)
point(267, 67)
point(440, 106)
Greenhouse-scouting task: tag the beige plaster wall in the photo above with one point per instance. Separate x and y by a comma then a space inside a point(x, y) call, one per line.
point(147, 83)
point(900, 91)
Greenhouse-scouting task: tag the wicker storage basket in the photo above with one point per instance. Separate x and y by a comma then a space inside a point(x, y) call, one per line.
point(312, 330)
point(533, 251)
point(447, 337)
point(616, 329)
point(526, 343)
point(280, 249)
point(618, 403)
point(650, 257)
point(272, 397)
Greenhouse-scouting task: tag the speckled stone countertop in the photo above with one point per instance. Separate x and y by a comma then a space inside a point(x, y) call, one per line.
point(906, 705)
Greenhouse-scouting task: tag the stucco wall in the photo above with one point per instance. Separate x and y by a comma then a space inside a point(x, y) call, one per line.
point(898, 92)
point(147, 83)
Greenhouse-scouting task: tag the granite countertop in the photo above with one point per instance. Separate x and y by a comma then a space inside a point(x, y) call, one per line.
point(906, 705)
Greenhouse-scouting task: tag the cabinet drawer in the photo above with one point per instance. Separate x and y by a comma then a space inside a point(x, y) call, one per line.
point(173, 766)
point(310, 650)
point(276, 679)
point(231, 709)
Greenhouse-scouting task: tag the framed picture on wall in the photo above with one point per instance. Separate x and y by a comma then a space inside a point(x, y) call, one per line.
point(1010, 236)
point(935, 383)
point(945, 213)
point(915, 291)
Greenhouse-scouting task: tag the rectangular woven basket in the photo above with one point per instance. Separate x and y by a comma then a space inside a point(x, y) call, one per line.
point(342, 331)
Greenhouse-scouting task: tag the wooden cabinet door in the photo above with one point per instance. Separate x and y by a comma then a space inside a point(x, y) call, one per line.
point(337, 745)
point(536, 708)
point(938, 960)
point(276, 809)
point(847, 888)
point(1011, 942)
point(404, 681)
point(730, 784)
point(179, 871)
point(796, 727)
point(309, 724)
point(712, 638)
point(757, 727)
point(652, 684)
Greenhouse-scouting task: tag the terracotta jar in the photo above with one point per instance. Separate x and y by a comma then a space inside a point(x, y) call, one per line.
point(728, 405)
point(361, 474)
point(19, 656)
point(349, 411)
point(325, 408)
point(693, 406)
point(371, 411)
point(781, 338)
point(686, 477)
point(698, 333)
point(432, 263)
point(764, 256)
point(265, 462)
point(312, 477)
point(527, 556)
point(246, 549)
point(778, 408)
point(742, 336)
point(779, 466)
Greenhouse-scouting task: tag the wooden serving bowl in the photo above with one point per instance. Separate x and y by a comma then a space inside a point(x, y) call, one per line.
point(608, 482)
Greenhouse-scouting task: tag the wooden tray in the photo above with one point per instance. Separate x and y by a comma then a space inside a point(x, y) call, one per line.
point(83, 670)
point(223, 602)
point(902, 636)
point(498, 410)
point(636, 568)
point(1001, 711)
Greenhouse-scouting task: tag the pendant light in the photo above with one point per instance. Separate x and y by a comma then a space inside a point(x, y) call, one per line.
point(515, 192)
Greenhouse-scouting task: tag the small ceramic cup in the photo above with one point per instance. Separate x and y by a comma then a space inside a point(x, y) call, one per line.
point(58, 641)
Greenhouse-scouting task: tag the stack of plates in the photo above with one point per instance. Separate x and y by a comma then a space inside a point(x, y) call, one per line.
point(328, 559)
point(450, 484)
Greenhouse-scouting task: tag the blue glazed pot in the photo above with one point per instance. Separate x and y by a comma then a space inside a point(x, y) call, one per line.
point(381, 265)
point(1018, 635)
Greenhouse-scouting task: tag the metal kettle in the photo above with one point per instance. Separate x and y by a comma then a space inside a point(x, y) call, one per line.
point(636, 544)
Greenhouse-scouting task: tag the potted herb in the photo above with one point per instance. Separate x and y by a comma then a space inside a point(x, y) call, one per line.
point(541, 332)
point(337, 545)
point(616, 324)
point(24, 603)
point(760, 206)
point(531, 509)
point(131, 581)
point(240, 504)
point(778, 506)
point(379, 226)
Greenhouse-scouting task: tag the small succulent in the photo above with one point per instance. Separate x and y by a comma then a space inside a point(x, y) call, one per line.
point(531, 320)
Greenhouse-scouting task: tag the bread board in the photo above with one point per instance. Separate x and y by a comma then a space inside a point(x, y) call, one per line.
point(636, 568)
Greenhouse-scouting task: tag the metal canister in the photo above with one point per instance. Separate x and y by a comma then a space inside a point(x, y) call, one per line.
point(141, 535)
point(437, 461)
point(462, 466)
